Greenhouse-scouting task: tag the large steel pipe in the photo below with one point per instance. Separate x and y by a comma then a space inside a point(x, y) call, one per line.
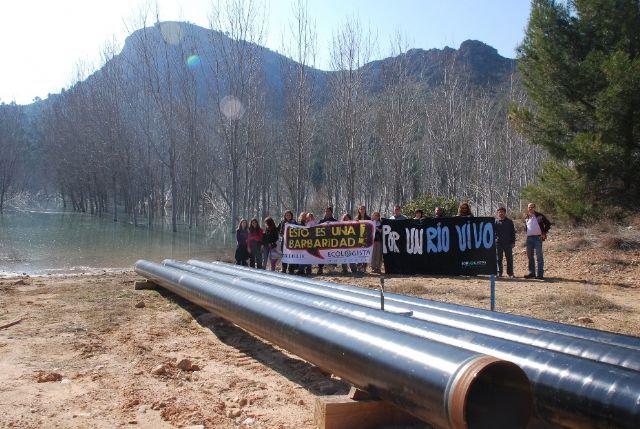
point(568, 391)
point(588, 349)
point(446, 386)
point(513, 319)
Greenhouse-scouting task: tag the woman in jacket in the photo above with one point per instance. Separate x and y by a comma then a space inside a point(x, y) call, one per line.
point(270, 243)
point(362, 215)
point(255, 244)
point(287, 218)
point(242, 235)
point(376, 257)
point(354, 267)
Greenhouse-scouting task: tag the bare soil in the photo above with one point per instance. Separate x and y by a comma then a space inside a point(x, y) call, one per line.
point(86, 353)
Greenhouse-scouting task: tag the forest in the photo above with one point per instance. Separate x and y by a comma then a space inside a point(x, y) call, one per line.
point(197, 126)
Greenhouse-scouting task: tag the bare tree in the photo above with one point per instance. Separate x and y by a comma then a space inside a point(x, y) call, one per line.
point(299, 88)
point(348, 105)
point(237, 34)
point(11, 139)
point(398, 118)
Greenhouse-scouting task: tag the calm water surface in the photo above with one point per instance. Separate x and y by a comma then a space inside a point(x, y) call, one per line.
point(54, 242)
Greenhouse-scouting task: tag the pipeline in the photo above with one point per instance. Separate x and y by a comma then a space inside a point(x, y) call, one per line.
point(584, 348)
point(513, 319)
point(568, 391)
point(443, 385)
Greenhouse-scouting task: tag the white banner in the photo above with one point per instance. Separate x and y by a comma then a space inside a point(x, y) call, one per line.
point(329, 243)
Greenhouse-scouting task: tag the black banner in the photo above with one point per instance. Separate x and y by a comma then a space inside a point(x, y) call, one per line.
point(451, 246)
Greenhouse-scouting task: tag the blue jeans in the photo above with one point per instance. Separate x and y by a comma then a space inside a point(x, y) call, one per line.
point(534, 243)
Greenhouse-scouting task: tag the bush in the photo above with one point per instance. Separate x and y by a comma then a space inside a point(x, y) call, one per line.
point(617, 242)
point(428, 204)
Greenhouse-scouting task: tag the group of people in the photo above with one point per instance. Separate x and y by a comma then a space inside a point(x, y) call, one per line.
point(260, 247)
point(536, 226)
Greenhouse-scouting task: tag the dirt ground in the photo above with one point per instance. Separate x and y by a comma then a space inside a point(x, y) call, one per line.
point(86, 353)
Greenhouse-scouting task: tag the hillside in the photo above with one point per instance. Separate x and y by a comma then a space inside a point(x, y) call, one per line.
point(117, 363)
point(481, 62)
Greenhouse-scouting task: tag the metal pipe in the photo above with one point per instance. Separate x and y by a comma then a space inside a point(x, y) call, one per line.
point(446, 386)
point(568, 391)
point(512, 319)
point(584, 348)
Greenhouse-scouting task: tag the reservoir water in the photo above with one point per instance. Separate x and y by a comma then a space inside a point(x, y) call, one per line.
point(55, 242)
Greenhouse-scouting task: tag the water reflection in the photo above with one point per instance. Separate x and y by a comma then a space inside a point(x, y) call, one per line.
point(61, 242)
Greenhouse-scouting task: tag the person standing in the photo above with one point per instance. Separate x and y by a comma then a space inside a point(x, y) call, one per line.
point(464, 210)
point(376, 257)
point(242, 235)
point(537, 226)
point(286, 218)
point(362, 215)
point(397, 214)
point(255, 244)
point(311, 222)
point(419, 214)
point(328, 217)
point(505, 233)
point(354, 267)
point(302, 268)
point(438, 212)
point(270, 243)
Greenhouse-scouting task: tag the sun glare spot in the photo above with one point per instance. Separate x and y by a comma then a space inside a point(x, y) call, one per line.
point(232, 108)
point(193, 61)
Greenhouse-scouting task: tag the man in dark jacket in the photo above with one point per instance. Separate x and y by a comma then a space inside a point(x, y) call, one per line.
point(328, 217)
point(505, 234)
point(537, 226)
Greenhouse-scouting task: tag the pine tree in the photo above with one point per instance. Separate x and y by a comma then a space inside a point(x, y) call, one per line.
point(580, 62)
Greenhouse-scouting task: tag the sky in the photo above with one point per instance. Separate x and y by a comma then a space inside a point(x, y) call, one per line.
point(45, 42)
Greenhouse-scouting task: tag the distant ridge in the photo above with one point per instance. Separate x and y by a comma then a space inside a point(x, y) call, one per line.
point(478, 61)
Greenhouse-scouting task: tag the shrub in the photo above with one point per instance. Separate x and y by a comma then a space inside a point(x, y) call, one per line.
point(618, 242)
point(428, 204)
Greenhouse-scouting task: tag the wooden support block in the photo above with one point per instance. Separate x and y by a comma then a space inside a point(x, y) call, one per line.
point(342, 412)
point(144, 284)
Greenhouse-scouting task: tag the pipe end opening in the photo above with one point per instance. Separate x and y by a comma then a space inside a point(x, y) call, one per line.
point(490, 393)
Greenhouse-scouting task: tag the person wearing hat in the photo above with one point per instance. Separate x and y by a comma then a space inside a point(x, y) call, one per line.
point(505, 233)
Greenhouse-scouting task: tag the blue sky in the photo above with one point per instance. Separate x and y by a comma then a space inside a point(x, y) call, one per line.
point(43, 41)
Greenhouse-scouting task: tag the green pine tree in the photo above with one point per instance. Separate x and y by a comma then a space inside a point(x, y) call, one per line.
point(580, 62)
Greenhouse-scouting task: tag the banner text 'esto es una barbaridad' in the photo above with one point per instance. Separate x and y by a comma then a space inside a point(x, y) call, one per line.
point(329, 243)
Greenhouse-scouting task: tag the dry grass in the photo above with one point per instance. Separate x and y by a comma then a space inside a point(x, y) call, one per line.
point(410, 288)
point(574, 244)
point(586, 301)
point(618, 262)
point(605, 227)
point(473, 295)
point(620, 242)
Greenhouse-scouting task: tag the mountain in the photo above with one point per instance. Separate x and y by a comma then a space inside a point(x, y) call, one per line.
point(481, 63)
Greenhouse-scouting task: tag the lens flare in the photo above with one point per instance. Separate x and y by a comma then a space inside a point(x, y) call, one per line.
point(193, 61)
point(232, 108)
